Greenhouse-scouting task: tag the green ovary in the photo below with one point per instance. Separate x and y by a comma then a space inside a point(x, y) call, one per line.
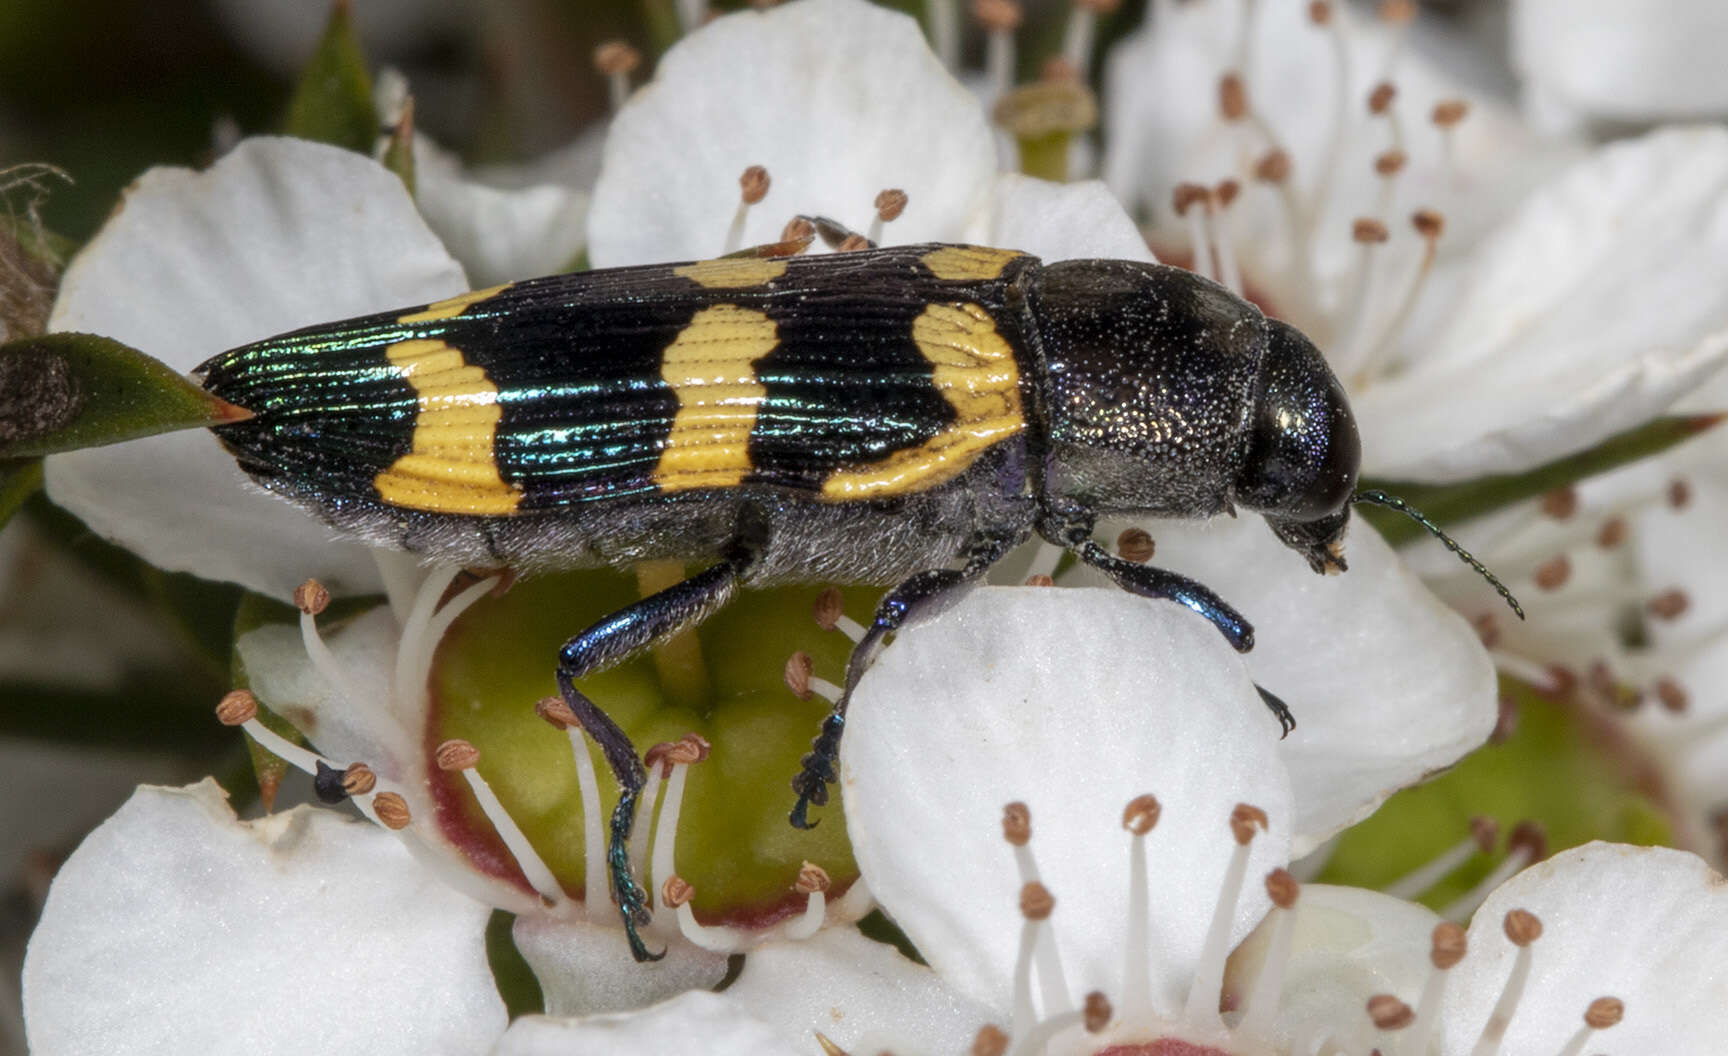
point(734, 843)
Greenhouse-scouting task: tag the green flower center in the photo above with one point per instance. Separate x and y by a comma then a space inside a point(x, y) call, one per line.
point(722, 681)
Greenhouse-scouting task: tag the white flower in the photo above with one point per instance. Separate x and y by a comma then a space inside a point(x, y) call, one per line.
point(1609, 61)
point(765, 88)
point(176, 927)
point(276, 235)
point(1623, 946)
point(1501, 343)
point(1622, 577)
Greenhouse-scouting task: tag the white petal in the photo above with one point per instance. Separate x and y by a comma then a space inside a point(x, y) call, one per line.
point(176, 928)
point(1603, 300)
point(859, 104)
point(864, 995)
point(1062, 221)
point(1075, 702)
point(1387, 683)
point(1648, 925)
point(693, 1022)
point(1163, 126)
point(587, 968)
point(500, 234)
point(1348, 944)
point(278, 234)
point(1610, 59)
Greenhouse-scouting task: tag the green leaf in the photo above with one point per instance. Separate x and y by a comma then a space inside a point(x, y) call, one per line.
point(61, 392)
point(1448, 504)
point(333, 101)
point(18, 481)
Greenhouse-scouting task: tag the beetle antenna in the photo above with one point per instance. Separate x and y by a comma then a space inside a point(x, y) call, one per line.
point(1393, 502)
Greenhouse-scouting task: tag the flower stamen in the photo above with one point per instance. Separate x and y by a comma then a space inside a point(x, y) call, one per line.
point(1263, 1000)
point(460, 755)
point(674, 760)
point(1139, 818)
point(1202, 1008)
point(615, 60)
point(831, 616)
point(889, 205)
point(1484, 834)
point(1446, 950)
point(753, 185)
point(1000, 18)
point(1604, 1012)
point(1052, 980)
point(556, 712)
point(1528, 844)
point(1523, 929)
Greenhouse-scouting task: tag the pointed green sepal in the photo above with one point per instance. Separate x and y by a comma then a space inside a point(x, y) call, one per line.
point(333, 101)
point(1449, 504)
point(62, 392)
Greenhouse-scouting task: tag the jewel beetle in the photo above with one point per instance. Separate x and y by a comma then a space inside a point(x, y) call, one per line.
point(901, 416)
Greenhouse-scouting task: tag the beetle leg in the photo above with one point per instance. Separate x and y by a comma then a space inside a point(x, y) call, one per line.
point(920, 597)
point(613, 639)
point(1150, 582)
point(833, 232)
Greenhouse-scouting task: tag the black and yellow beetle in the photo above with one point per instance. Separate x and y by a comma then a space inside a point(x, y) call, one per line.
point(876, 416)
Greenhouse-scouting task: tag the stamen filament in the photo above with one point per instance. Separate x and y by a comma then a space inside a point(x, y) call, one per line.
point(1315, 210)
point(1523, 929)
point(1202, 1007)
point(324, 661)
point(1037, 1039)
point(1078, 36)
point(615, 60)
point(945, 31)
point(1394, 326)
point(639, 828)
point(460, 755)
point(1517, 858)
point(1411, 885)
point(413, 635)
point(594, 889)
point(1224, 238)
point(664, 862)
point(401, 574)
point(1024, 1015)
point(1000, 18)
point(1262, 1003)
point(1137, 945)
point(692, 14)
point(753, 185)
point(1448, 949)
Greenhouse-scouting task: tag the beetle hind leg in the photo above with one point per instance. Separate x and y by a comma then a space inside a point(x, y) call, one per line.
point(612, 639)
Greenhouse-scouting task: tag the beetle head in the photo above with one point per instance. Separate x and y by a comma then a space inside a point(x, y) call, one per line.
point(1300, 451)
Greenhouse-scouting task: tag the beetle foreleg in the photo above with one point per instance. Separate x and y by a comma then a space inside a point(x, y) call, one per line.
point(613, 639)
point(920, 597)
point(1150, 582)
